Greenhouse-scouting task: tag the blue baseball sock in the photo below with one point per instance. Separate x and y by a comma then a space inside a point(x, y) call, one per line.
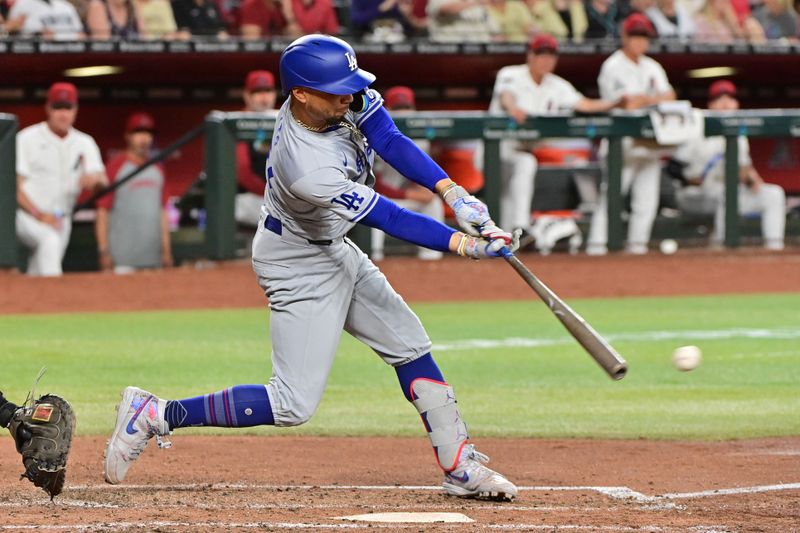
point(239, 406)
point(423, 367)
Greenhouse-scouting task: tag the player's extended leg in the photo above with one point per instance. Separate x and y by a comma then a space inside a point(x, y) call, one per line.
point(308, 313)
point(141, 415)
point(380, 318)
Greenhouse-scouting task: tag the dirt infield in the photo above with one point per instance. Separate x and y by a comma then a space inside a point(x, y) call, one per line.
point(308, 483)
point(231, 285)
point(276, 483)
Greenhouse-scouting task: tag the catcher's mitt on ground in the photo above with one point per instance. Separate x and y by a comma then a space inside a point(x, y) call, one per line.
point(43, 433)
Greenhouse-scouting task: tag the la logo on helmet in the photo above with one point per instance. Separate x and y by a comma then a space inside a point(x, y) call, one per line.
point(351, 61)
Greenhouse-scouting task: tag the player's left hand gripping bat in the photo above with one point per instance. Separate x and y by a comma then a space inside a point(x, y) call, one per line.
point(602, 352)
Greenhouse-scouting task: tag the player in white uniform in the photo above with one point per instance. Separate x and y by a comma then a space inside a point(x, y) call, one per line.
point(54, 162)
point(529, 90)
point(642, 81)
point(705, 170)
point(319, 283)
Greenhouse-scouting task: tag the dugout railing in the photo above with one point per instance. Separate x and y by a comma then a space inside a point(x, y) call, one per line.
point(225, 129)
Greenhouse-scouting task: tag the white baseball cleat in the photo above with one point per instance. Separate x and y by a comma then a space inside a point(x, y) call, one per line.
point(470, 479)
point(140, 416)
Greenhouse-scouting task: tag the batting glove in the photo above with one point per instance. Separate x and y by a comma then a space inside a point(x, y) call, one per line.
point(491, 232)
point(471, 213)
point(477, 248)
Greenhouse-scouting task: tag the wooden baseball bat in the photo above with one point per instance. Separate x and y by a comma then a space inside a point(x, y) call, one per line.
point(602, 352)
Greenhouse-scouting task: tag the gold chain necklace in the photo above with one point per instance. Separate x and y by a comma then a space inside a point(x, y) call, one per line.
point(316, 129)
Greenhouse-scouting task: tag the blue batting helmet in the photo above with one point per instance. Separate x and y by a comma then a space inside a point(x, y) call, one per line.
point(324, 63)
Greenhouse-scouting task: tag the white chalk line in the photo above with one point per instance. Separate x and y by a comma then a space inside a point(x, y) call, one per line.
point(642, 336)
point(82, 504)
point(620, 493)
point(149, 525)
point(735, 491)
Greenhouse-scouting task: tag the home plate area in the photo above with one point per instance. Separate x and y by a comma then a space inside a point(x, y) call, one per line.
point(220, 507)
point(324, 483)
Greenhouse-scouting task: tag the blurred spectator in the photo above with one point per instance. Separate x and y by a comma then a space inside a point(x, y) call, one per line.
point(251, 156)
point(671, 20)
point(263, 18)
point(384, 20)
point(529, 90)
point(419, 16)
point(112, 18)
point(778, 19)
point(513, 20)
point(705, 172)
point(460, 21)
point(9, 25)
point(199, 18)
point(718, 22)
point(692, 7)
point(156, 20)
point(405, 193)
point(315, 16)
point(603, 18)
point(628, 73)
point(563, 19)
point(81, 7)
point(54, 162)
point(49, 19)
point(132, 230)
point(638, 6)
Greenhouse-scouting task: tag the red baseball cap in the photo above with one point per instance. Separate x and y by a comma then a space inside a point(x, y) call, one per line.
point(721, 87)
point(140, 122)
point(259, 80)
point(62, 93)
point(638, 24)
point(399, 96)
point(544, 43)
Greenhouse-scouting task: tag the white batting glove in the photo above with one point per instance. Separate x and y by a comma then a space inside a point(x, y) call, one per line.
point(471, 213)
point(491, 232)
point(477, 248)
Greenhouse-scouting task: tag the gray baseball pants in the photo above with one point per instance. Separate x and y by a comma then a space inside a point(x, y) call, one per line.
point(315, 292)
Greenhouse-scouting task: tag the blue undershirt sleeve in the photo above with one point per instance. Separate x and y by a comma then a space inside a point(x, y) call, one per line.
point(400, 151)
point(408, 226)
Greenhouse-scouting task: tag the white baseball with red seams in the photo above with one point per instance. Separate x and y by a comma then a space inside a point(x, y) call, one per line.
point(687, 358)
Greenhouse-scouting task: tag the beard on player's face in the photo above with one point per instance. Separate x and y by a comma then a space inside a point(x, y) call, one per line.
point(329, 107)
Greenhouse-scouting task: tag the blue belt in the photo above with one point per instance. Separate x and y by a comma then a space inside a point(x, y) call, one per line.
point(275, 226)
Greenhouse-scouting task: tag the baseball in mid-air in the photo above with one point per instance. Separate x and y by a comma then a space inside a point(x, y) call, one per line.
point(668, 246)
point(687, 358)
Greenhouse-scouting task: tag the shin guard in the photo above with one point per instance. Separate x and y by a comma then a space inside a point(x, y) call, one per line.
point(436, 403)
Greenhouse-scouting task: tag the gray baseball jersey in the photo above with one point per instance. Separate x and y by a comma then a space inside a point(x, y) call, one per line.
point(320, 184)
point(318, 188)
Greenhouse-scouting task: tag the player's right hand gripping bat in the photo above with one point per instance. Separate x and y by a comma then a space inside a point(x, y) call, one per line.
point(602, 352)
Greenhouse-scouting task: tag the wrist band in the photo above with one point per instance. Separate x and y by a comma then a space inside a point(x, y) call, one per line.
point(447, 190)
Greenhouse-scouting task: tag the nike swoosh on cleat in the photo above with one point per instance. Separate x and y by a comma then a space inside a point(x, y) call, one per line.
point(463, 478)
point(129, 428)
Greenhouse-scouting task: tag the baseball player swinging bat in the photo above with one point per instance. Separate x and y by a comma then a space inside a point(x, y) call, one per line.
point(602, 352)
